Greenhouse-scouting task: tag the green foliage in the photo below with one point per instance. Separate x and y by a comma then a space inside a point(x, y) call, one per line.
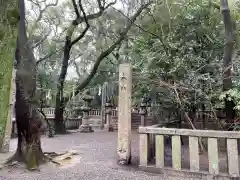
point(180, 48)
point(232, 94)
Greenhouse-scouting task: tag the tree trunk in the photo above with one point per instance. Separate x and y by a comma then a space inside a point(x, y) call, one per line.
point(28, 119)
point(227, 60)
point(60, 101)
point(203, 108)
point(59, 120)
point(192, 113)
point(8, 34)
point(29, 149)
point(59, 105)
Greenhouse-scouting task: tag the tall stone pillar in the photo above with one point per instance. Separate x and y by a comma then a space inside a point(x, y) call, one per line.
point(124, 114)
point(85, 127)
point(108, 107)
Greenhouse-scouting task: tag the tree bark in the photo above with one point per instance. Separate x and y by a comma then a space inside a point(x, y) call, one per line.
point(28, 119)
point(59, 106)
point(8, 34)
point(227, 59)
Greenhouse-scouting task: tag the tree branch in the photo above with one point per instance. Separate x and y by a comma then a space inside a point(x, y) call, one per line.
point(77, 69)
point(95, 15)
point(40, 41)
point(100, 5)
point(105, 53)
point(48, 56)
point(87, 25)
point(41, 11)
point(76, 8)
point(147, 31)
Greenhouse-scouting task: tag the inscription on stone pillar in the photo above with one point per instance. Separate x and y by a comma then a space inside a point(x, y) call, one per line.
point(124, 114)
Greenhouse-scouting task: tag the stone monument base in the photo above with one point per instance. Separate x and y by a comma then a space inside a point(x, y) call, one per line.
point(85, 128)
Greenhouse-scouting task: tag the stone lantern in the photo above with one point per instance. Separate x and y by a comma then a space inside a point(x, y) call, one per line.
point(85, 127)
point(108, 107)
point(143, 111)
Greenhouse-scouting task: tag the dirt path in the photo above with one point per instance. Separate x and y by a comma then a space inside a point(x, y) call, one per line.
point(97, 160)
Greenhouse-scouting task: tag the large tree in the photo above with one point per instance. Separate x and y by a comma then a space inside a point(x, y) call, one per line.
point(102, 7)
point(28, 119)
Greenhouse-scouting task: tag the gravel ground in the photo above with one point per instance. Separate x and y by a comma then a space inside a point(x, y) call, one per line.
point(97, 160)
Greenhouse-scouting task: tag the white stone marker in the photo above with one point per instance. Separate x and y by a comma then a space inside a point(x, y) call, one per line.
point(124, 114)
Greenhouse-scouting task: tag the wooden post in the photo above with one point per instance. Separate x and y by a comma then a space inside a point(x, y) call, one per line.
point(124, 114)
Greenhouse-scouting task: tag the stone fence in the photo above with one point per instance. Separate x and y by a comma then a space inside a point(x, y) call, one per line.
point(49, 112)
point(95, 119)
point(212, 162)
point(74, 123)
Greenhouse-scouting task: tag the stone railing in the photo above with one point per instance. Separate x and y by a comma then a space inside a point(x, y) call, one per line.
point(212, 155)
point(95, 112)
point(49, 112)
